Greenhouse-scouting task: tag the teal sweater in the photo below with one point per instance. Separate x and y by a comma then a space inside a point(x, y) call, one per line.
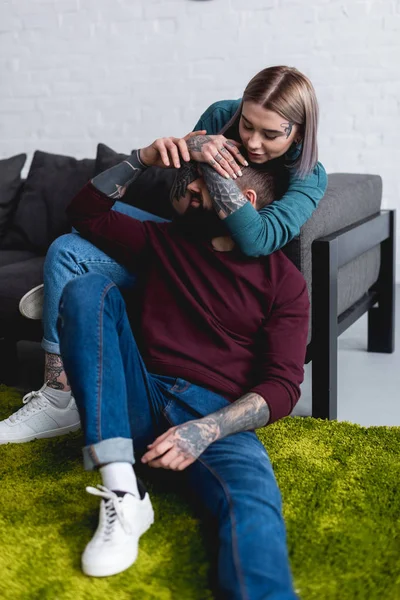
point(263, 232)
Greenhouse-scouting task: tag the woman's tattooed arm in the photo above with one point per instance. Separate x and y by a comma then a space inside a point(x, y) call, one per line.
point(115, 180)
point(225, 194)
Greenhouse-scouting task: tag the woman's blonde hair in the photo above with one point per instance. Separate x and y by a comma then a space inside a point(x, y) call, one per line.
point(291, 94)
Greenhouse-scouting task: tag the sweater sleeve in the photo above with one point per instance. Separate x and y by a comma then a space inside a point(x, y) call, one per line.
point(120, 236)
point(263, 232)
point(283, 348)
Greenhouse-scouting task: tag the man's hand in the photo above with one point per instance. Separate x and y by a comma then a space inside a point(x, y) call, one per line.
point(164, 151)
point(180, 446)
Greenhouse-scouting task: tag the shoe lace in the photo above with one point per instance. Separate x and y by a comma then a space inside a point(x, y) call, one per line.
point(113, 509)
point(32, 401)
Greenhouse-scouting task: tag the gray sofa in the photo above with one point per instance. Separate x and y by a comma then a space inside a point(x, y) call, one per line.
point(345, 252)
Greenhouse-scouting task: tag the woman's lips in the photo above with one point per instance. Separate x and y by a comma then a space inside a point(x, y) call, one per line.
point(254, 154)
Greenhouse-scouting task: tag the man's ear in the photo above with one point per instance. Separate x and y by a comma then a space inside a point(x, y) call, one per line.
point(251, 197)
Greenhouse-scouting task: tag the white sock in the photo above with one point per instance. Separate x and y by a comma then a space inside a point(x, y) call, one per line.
point(57, 397)
point(120, 476)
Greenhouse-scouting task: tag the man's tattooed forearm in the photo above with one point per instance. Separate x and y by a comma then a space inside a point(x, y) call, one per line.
point(248, 413)
point(225, 194)
point(185, 175)
point(114, 181)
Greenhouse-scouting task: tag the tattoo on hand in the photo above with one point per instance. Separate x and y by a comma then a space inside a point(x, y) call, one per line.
point(185, 175)
point(287, 128)
point(196, 143)
point(194, 437)
point(225, 194)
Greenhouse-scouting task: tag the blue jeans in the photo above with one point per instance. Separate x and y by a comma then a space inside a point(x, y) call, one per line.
point(68, 257)
point(123, 408)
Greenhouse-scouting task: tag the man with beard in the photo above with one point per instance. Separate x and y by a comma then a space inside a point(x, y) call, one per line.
point(219, 351)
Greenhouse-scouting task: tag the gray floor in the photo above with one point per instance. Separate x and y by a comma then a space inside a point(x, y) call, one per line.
point(368, 384)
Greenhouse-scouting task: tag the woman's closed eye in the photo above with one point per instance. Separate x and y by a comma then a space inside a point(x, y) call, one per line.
point(268, 137)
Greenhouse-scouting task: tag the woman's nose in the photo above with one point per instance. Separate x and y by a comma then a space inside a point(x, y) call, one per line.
point(254, 142)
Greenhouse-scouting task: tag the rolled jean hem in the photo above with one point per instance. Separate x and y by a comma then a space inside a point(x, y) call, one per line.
point(50, 347)
point(108, 451)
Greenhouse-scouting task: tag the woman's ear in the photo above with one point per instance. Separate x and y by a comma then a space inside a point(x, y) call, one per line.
point(251, 197)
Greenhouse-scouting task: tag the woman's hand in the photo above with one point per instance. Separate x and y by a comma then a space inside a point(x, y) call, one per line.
point(164, 151)
point(219, 152)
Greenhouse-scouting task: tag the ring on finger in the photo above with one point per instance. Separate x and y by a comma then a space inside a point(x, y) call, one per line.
point(218, 157)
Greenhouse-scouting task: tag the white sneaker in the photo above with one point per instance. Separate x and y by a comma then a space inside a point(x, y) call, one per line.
point(123, 519)
point(39, 419)
point(31, 304)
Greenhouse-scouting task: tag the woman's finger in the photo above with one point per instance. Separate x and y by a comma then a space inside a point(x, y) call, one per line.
point(231, 146)
point(232, 162)
point(160, 147)
point(182, 145)
point(215, 165)
point(173, 152)
point(224, 165)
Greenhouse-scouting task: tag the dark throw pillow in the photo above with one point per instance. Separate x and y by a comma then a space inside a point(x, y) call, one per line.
point(10, 185)
point(52, 182)
point(149, 192)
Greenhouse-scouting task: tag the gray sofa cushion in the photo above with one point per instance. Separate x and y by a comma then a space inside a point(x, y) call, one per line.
point(52, 182)
point(349, 198)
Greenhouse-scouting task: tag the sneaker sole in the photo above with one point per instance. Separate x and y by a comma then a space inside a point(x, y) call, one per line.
point(31, 304)
point(102, 571)
point(43, 434)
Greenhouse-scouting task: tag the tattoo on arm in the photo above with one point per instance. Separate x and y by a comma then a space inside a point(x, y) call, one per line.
point(248, 413)
point(225, 194)
point(185, 175)
point(114, 182)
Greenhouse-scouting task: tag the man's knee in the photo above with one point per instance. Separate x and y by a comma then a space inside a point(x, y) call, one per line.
point(83, 293)
point(58, 248)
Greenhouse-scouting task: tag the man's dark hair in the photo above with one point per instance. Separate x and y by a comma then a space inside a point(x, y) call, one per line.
point(269, 185)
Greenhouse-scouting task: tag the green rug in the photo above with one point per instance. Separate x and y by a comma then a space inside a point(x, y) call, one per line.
point(341, 498)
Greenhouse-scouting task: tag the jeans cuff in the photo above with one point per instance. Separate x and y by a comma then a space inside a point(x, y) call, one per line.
point(50, 347)
point(108, 451)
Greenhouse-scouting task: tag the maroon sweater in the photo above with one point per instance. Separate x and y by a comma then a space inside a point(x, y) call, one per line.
point(221, 320)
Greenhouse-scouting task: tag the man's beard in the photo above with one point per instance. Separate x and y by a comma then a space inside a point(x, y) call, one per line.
point(199, 224)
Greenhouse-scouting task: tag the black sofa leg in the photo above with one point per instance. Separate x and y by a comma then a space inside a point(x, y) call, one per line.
point(381, 318)
point(325, 329)
point(8, 361)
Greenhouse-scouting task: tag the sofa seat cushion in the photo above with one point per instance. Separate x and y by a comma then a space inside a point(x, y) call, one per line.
point(16, 279)
point(52, 182)
point(9, 257)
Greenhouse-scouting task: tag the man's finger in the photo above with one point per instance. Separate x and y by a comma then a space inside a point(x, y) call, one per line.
point(186, 463)
point(164, 461)
point(158, 450)
point(161, 437)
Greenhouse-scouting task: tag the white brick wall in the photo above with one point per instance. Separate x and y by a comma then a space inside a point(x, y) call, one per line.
point(76, 72)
